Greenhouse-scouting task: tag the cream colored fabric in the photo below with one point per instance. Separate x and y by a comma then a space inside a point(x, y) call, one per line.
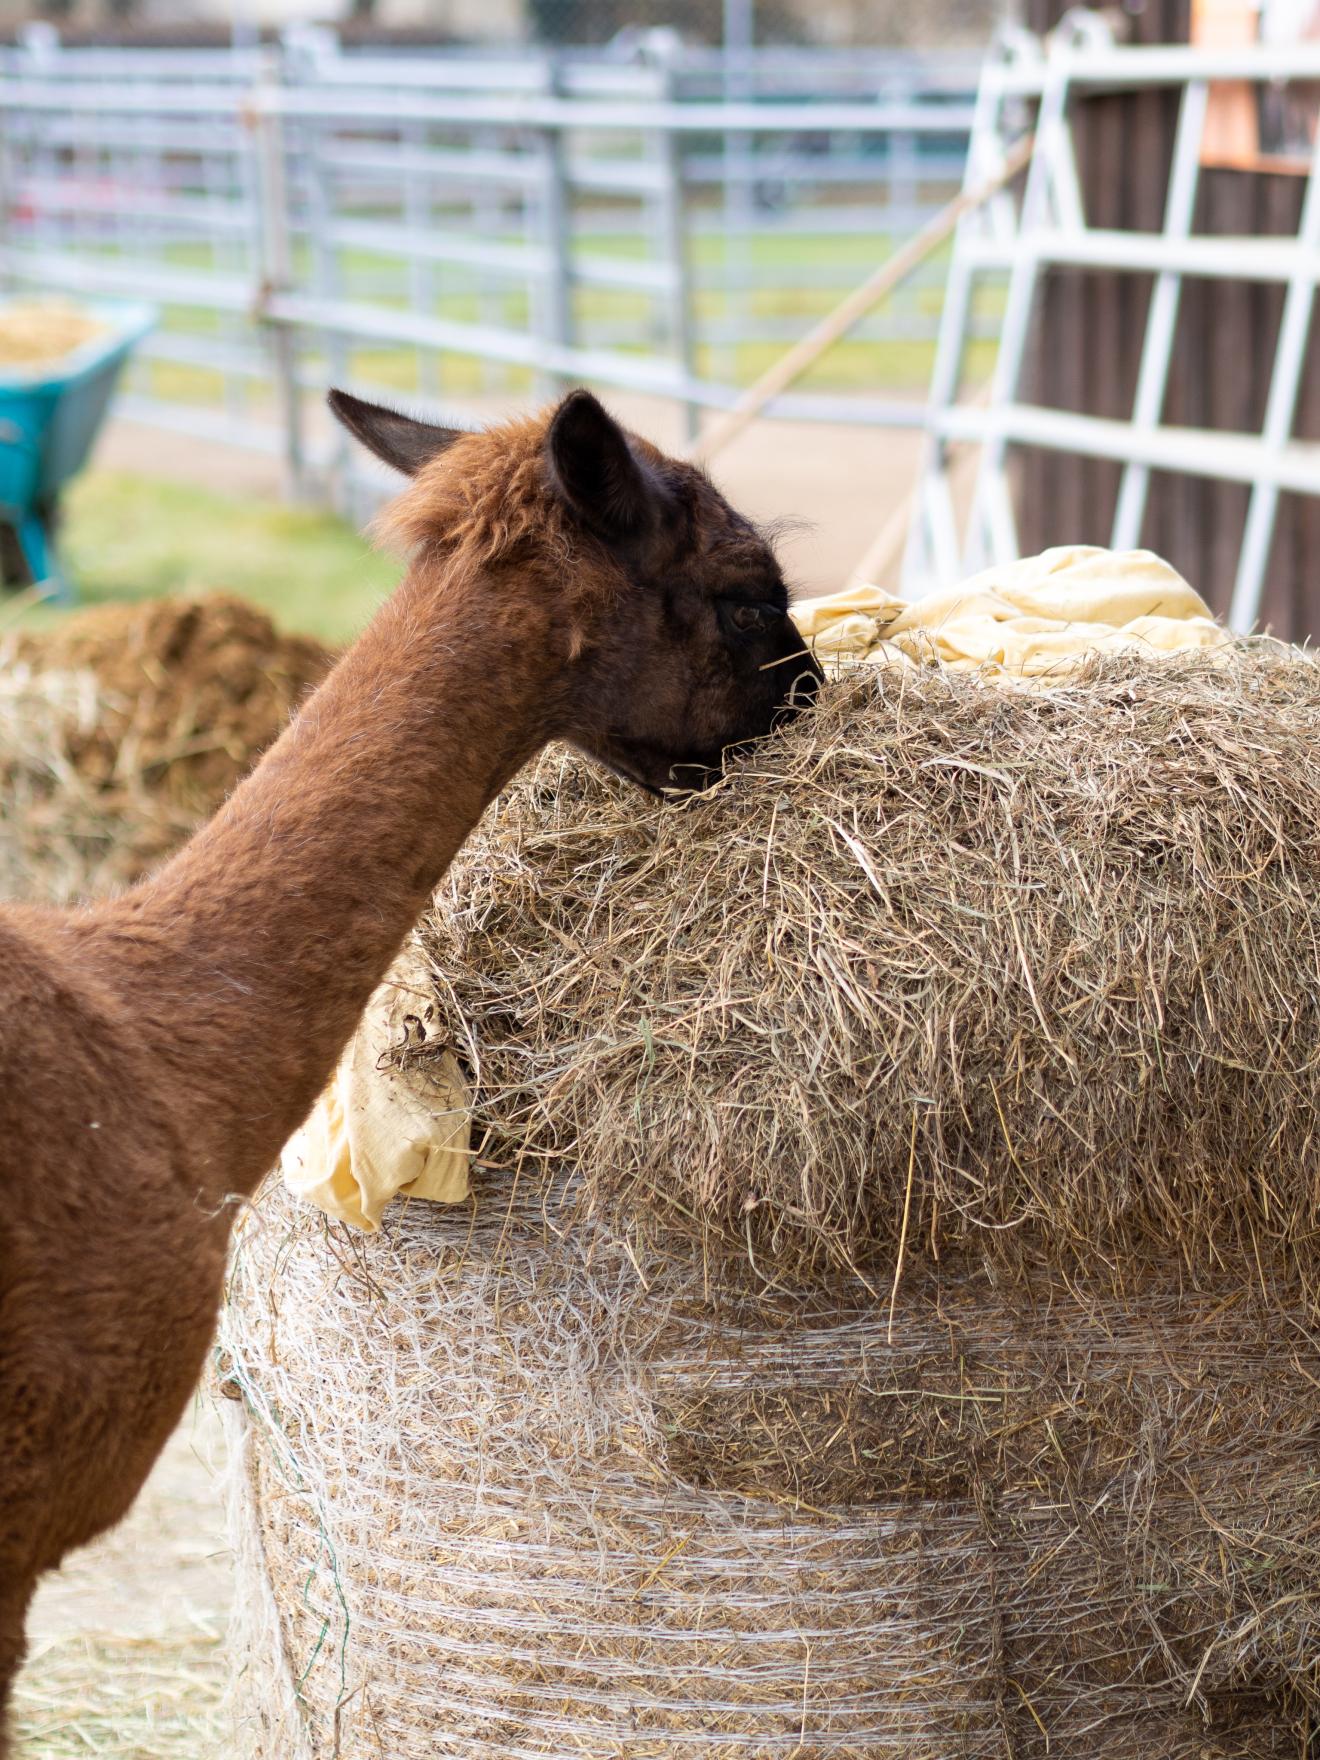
point(1034, 619)
point(375, 1134)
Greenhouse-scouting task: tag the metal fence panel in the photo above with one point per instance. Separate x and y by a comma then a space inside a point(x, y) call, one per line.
point(445, 225)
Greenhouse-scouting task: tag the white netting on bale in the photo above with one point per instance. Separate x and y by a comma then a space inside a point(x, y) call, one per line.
point(503, 1491)
point(456, 1463)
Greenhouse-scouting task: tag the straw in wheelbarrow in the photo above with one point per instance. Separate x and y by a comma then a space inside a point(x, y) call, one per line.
point(34, 334)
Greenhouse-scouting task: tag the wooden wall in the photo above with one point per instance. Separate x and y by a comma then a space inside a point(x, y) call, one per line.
point(1089, 328)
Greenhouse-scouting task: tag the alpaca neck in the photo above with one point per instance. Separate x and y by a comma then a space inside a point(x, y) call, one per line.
point(253, 953)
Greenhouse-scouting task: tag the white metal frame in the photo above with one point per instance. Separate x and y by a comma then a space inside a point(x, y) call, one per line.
point(1047, 226)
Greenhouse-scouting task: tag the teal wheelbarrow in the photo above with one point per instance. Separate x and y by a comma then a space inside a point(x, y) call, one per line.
point(49, 416)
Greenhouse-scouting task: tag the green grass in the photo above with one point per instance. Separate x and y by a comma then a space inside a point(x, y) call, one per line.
point(132, 537)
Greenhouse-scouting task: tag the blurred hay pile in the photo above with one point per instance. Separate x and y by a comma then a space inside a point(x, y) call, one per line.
point(886, 1323)
point(62, 837)
point(124, 726)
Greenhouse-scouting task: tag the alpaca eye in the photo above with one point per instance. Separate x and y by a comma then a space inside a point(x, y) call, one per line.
point(747, 617)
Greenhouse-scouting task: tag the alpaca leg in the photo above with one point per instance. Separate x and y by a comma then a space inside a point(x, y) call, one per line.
point(14, 1600)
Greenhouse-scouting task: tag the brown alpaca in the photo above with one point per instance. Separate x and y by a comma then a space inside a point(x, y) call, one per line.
point(568, 582)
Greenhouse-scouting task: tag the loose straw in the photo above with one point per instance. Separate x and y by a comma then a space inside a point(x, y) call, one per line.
point(850, 311)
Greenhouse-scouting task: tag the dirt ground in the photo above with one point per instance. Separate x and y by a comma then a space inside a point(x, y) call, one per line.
point(127, 1640)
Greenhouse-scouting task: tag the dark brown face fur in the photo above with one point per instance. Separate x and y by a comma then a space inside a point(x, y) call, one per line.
point(700, 653)
point(684, 646)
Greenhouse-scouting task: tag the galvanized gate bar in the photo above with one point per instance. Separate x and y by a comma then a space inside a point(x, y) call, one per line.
point(772, 117)
point(1196, 452)
point(931, 549)
point(436, 180)
point(1289, 353)
point(992, 532)
point(1157, 349)
point(1153, 253)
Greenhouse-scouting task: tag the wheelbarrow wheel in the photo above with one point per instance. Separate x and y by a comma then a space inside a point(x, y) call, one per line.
point(35, 538)
point(13, 564)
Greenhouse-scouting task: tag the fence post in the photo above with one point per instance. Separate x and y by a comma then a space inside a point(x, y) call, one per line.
point(674, 241)
point(275, 263)
point(9, 182)
point(739, 85)
point(418, 220)
point(488, 219)
point(553, 309)
point(306, 48)
point(40, 45)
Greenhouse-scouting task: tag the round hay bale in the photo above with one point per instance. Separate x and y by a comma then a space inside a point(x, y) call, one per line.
point(885, 1323)
point(460, 1505)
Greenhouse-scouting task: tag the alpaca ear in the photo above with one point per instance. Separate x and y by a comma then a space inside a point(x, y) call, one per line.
point(399, 440)
point(595, 469)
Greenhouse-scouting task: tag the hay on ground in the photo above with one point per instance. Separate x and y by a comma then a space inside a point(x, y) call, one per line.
point(886, 1322)
point(126, 1640)
point(124, 726)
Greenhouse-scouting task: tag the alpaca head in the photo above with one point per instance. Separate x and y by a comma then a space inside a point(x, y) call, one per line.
point(668, 611)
